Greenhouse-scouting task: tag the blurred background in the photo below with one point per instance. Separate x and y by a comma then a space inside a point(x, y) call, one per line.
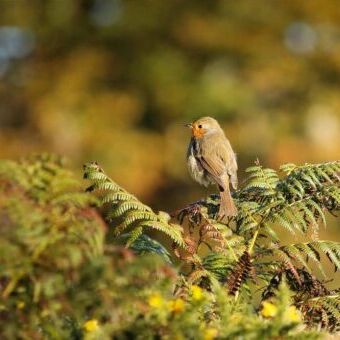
point(114, 81)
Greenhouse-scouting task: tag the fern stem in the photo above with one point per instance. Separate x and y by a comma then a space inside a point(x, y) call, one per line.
point(237, 295)
point(252, 243)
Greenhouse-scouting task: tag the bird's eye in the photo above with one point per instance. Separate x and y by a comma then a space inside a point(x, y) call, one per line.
point(200, 126)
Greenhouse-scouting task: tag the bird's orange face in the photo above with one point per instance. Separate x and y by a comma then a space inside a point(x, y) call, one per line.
point(197, 130)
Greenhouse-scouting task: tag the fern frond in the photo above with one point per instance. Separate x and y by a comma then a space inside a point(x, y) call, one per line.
point(173, 231)
point(331, 198)
point(309, 178)
point(134, 235)
point(133, 214)
point(297, 216)
point(261, 178)
point(302, 252)
point(323, 311)
point(218, 265)
point(239, 274)
point(197, 275)
point(246, 219)
point(142, 244)
point(330, 249)
point(114, 197)
point(126, 206)
point(288, 264)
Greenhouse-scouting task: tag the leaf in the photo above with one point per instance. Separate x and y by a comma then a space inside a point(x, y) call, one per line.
point(142, 244)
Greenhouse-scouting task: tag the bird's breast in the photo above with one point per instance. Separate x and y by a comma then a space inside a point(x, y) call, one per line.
point(197, 172)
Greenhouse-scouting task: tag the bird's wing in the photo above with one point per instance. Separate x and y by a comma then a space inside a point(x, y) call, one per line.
point(232, 170)
point(229, 158)
point(210, 167)
point(219, 160)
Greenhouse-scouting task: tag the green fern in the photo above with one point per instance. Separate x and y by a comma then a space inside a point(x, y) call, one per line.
point(311, 250)
point(218, 265)
point(143, 244)
point(248, 247)
point(300, 254)
point(126, 212)
point(261, 178)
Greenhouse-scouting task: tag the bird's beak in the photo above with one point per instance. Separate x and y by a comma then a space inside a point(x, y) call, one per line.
point(188, 125)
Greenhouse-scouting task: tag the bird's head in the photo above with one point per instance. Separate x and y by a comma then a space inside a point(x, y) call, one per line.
point(204, 126)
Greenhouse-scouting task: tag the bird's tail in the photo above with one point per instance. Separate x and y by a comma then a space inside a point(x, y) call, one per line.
point(227, 205)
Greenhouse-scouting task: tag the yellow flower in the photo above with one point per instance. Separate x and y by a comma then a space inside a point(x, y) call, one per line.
point(20, 304)
point(210, 333)
point(268, 310)
point(91, 325)
point(293, 314)
point(177, 306)
point(196, 292)
point(155, 300)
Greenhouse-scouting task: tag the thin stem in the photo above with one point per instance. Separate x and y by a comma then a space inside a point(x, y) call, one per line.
point(252, 243)
point(236, 295)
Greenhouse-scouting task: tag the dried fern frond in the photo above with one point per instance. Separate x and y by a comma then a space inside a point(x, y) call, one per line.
point(323, 311)
point(305, 287)
point(240, 273)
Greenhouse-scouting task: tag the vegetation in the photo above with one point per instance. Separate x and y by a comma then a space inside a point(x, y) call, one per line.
point(99, 263)
point(115, 80)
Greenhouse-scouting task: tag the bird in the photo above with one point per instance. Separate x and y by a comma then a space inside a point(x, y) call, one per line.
point(211, 160)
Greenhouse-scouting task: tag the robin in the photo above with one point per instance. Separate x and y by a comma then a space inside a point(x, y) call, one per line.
point(211, 160)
